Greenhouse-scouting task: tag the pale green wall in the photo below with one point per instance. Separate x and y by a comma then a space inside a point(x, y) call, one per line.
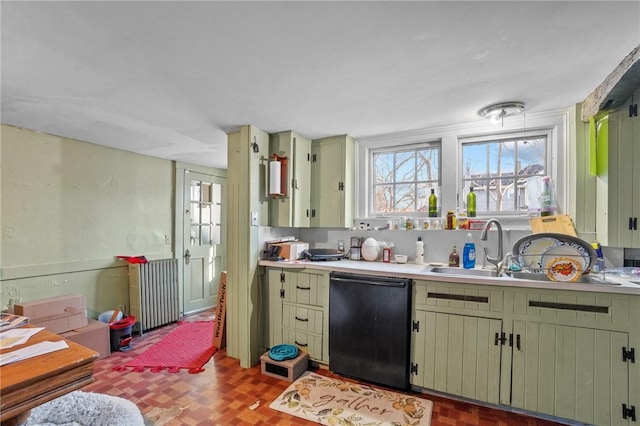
point(246, 189)
point(68, 207)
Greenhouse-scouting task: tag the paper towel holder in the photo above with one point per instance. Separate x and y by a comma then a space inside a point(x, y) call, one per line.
point(278, 176)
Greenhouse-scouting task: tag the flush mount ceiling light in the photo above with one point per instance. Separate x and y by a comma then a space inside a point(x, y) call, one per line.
point(497, 112)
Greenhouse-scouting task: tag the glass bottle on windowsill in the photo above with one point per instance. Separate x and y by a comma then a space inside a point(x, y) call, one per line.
point(433, 204)
point(471, 203)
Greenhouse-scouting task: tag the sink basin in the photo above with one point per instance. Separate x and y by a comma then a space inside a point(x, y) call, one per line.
point(461, 271)
point(585, 279)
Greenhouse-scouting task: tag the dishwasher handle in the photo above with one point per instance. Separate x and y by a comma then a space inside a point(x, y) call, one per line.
point(369, 282)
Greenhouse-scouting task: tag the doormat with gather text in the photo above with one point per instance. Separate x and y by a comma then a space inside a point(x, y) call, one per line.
point(331, 401)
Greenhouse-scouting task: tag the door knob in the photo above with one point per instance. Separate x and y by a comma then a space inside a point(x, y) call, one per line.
point(187, 256)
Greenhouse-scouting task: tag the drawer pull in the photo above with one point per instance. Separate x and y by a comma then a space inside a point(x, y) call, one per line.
point(569, 307)
point(302, 319)
point(462, 297)
point(304, 345)
point(303, 288)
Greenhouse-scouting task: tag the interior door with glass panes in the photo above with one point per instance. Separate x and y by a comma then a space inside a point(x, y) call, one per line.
point(203, 251)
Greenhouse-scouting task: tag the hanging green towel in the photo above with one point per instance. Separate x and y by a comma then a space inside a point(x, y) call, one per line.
point(593, 163)
point(602, 146)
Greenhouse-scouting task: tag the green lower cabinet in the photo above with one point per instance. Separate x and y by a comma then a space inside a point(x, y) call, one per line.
point(570, 372)
point(297, 310)
point(456, 354)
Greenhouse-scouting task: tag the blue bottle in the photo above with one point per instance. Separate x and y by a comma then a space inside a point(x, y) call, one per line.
point(469, 253)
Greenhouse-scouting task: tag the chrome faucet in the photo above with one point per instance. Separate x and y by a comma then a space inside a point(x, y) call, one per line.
point(483, 237)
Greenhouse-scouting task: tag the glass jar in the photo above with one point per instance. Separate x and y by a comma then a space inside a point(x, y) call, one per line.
point(451, 220)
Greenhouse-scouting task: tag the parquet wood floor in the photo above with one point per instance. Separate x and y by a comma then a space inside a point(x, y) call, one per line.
point(226, 394)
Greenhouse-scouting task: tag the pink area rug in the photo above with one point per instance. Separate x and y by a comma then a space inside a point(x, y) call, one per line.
point(187, 347)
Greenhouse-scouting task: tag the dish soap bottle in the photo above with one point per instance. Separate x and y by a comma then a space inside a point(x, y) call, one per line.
point(471, 203)
point(469, 253)
point(454, 258)
point(433, 204)
point(419, 251)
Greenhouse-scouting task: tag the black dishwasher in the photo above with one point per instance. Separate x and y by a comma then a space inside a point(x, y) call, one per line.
point(369, 321)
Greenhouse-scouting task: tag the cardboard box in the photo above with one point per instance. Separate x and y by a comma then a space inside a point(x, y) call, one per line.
point(219, 330)
point(288, 370)
point(94, 336)
point(292, 250)
point(57, 314)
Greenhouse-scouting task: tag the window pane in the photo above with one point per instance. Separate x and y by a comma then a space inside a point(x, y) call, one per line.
point(195, 213)
point(384, 198)
point(427, 165)
point(405, 166)
point(205, 235)
point(383, 166)
point(205, 192)
point(194, 194)
point(422, 203)
point(502, 159)
point(205, 215)
point(531, 157)
point(404, 198)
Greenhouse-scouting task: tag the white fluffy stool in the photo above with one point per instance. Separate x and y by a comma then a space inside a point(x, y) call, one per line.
point(85, 408)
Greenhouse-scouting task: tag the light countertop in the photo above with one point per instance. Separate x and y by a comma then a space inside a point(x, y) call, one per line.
point(420, 272)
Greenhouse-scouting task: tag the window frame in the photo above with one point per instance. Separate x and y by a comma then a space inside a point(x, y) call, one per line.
point(493, 138)
point(414, 146)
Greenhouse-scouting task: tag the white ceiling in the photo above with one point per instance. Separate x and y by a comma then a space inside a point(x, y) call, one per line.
point(170, 79)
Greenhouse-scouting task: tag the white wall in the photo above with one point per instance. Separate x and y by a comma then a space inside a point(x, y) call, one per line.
point(68, 207)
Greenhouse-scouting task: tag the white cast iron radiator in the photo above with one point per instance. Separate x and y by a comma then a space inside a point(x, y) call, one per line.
point(153, 292)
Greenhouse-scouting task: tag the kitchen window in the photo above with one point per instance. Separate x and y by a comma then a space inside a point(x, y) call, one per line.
point(499, 170)
point(402, 177)
point(500, 161)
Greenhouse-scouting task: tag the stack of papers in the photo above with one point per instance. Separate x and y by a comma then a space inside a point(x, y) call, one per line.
point(9, 321)
point(31, 351)
point(17, 336)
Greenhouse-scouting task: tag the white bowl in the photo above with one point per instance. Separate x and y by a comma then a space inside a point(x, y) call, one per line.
point(400, 258)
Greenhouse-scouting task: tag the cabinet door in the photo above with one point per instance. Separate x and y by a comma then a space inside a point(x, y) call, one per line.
point(273, 328)
point(332, 182)
point(301, 183)
point(292, 210)
point(456, 354)
point(570, 372)
point(617, 191)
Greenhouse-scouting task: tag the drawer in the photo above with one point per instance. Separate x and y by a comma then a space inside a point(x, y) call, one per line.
point(575, 308)
point(302, 319)
point(429, 294)
point(307, 342)
point(305, 288)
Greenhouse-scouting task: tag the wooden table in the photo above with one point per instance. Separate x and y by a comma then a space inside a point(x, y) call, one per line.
point(34, 381)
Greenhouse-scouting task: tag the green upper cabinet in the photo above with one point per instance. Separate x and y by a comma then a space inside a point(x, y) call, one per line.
point(332, 182)
point(292, 210)
point(618, 190)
